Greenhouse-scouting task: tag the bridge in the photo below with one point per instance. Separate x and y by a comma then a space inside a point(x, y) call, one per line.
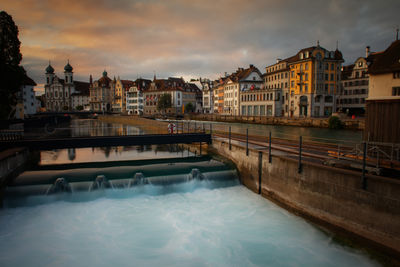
point(106, 141)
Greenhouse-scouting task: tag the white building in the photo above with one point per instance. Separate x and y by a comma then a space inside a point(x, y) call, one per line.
point(65, 94)
point(354, 87)
point(27, 103)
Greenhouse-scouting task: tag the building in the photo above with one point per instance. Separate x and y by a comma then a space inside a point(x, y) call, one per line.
point(276, 87)
point(181, 93)
point(240, 81)
point(354, 87)
point(27, 104)
point(101, 94)
point(135, 97)
point(382, 122)
point(314, 81)
point(64, 94)
point(208, 96)
point(120, 88)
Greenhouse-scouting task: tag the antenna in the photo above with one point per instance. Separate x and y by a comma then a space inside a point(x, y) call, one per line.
point(337, 45)
point(397, 33)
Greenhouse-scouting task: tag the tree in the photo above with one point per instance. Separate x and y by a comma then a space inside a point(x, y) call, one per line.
point(11, 74)
point(164, 102)
point(189, 108)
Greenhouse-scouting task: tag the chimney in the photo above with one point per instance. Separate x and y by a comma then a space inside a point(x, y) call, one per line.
point(278, 59)
point(90, 79)
point(226, 74)
point(251, 65)
point(367, 51)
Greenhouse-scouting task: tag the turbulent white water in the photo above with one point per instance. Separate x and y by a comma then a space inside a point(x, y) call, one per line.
point(190, 226)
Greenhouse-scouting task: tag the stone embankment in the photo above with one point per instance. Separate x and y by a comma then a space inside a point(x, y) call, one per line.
point(353, 124)
point(330, 196)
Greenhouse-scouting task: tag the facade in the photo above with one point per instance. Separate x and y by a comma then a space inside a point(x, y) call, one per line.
point(27, 104)
point(382, 122)
point(120, 88)
point(276, 82)
point(64, 94)
point(240, 81)
point(354, 87)
point(181, 94)
point(314, 81)
point(101, 95)
point(208, 96)
point(135, 97)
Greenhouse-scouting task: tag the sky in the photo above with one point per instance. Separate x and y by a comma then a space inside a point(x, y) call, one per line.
point(191, 39)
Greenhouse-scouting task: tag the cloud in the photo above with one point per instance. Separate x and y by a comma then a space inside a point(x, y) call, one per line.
point(191, 38)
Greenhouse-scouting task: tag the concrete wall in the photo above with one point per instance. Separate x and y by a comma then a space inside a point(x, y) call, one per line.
point(330, 196)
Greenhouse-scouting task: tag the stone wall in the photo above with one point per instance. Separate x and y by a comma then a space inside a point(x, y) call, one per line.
point(328, 195)
point(356, 124)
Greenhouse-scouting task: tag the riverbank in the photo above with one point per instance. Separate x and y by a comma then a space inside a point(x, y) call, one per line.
point(348, 123)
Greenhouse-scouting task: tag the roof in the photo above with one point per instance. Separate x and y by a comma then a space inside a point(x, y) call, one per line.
point(337, 54)
point(29, 81)
point(386, 61)
point(346, 71)
point(127, 84)
point(82, 87)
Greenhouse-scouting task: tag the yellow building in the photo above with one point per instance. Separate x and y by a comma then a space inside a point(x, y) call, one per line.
point(314, 74)
point(120, 88)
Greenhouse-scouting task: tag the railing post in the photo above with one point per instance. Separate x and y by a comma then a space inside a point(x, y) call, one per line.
point(259, 172)
point(195, 127)
point(230, 145)
point(269, 148)
point(300, 168)
point(200, 149)
point(211, 128)
point(364, 179)
point(188, 127)
point(247, 141)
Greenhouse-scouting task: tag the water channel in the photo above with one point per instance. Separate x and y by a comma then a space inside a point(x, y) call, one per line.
point(203, 218)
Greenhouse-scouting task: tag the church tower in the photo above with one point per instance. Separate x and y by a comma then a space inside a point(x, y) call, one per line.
point(49, 74)
point(68, 74)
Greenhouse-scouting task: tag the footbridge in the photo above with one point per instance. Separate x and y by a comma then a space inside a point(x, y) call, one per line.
point(106, 141)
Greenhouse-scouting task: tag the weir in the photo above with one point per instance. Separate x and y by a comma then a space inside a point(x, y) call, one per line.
point(88, 177)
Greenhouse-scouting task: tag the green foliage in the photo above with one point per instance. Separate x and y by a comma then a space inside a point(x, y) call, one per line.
point(335, 123)
point(189, 108)
point(12, 75)
point(79, 108)
point(164, 102)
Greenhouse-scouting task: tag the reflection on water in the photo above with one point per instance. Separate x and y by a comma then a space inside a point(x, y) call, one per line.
point(100, 154)
point(90, 127)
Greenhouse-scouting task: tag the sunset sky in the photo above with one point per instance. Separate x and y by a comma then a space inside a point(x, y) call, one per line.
point(191, 39)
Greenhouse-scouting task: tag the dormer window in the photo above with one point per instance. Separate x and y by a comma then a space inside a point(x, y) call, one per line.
point(301, 55)
point(307, 54)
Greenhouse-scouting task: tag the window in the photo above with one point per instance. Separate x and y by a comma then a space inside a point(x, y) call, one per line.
point(332, 76)
point(306, 65)
point(332, 66)
point(326, 76)
point(306, 77)
point(292, 74)
point(326, 66)
point(292, 84)
point(396, 75)
point(396, 91)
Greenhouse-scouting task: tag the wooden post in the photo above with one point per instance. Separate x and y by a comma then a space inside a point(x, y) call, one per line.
point(230, 145)
point(269, 148)
point(247, 141)
point(300, 168)
point(259, 172)
point(364, 179)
